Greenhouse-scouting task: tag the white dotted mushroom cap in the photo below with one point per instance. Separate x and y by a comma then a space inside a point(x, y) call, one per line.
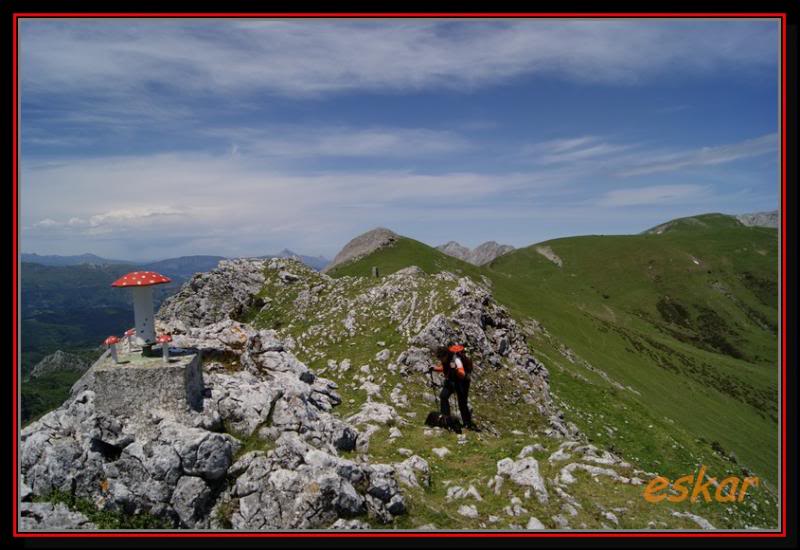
point(141, 278)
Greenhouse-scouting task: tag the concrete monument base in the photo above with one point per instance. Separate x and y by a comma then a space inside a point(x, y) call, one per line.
point(138, 384)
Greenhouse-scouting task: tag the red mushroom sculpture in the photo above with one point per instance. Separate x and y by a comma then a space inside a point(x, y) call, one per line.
point(142, 283)
point(164, 340)
point(111, 342)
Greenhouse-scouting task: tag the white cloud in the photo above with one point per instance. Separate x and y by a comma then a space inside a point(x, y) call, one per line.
point(132, 215)
point(308, 142)
point(250, 204)
point(244, 203)
point(705, 156)
point(117, 60)
point(571, 150)
point(653, 195)
point(111, 220)
point(593, 153)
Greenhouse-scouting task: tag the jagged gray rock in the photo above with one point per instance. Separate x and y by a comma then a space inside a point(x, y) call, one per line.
point(488, 251)
point(456, 250)
point(184, 466)
point(761, 219)
point(190, 499)
point(480, 255)
point(349, 524)
point(414, 472)
point(534, 523)
point(362, 245)
point(525, 472)
point(225, 292)
point(59, 361)
point(44, 516)
point(178, 465)
point(305, 488)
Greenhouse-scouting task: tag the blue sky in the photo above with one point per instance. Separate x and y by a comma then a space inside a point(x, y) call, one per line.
point(157, 138)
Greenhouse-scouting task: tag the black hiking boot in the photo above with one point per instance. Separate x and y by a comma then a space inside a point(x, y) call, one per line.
point(472, 427)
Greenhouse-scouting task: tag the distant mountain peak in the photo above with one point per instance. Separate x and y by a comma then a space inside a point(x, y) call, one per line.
point(760, 219)
point(77, 259)
point(363, 245)
point(480, 255)
point(717, 220)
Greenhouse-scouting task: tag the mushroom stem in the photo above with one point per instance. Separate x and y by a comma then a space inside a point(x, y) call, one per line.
point(165, 351)
point(143, 314)
point(113, 348)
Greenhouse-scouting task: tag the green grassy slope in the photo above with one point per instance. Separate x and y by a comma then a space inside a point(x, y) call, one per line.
point(663, 347)
point(618, 420)
point(403, 253)
point(688, 318)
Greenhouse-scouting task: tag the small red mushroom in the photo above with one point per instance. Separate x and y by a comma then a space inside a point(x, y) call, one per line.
point(164, 340)
point(111, 342)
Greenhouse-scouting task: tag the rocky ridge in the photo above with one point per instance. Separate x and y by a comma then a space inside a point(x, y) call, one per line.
point(194, 470)
point(362, 245)
point(57, 362)
point(275, 445)
point(761, 219)
point(226, 291)
point(480, 255)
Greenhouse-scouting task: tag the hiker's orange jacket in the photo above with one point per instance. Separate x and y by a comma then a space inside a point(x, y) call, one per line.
point(460, 372)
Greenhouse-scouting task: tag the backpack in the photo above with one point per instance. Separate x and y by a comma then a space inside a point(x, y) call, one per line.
point(466, 363)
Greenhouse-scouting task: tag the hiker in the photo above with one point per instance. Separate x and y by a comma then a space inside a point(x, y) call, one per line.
point(456, 368)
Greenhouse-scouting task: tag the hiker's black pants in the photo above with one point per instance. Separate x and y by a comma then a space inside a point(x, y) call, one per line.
point(461, 389)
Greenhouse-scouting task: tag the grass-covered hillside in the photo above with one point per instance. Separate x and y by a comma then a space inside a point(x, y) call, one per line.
point(687, 318)
point(403, 253)
point(662, 346)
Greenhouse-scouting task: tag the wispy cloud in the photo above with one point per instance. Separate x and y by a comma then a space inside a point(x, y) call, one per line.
point(224, 195)
point(584, 148)
point(113, 220)
point(242, 134)
point(593, 153)
point(140, 205)
point(309, 142)
point(652, 195)
point(705, 156)
point(309, 58)
point(47, 223)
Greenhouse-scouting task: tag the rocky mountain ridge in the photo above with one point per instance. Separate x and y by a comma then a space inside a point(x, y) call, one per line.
point(315, 392)
point(761, 219)
point(267, 449)
point(480, 255)
point(362, 245)
point(57, 362)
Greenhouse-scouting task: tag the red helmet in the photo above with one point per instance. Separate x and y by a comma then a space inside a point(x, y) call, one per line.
point(455, 348)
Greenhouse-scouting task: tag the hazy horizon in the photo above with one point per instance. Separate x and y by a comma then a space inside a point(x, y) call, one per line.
point(331, 256)
point(151, 139)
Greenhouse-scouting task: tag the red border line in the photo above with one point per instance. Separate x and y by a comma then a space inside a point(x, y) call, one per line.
point(462, 15)
point(14, 346)
point(783, 274)
point(403, 534)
